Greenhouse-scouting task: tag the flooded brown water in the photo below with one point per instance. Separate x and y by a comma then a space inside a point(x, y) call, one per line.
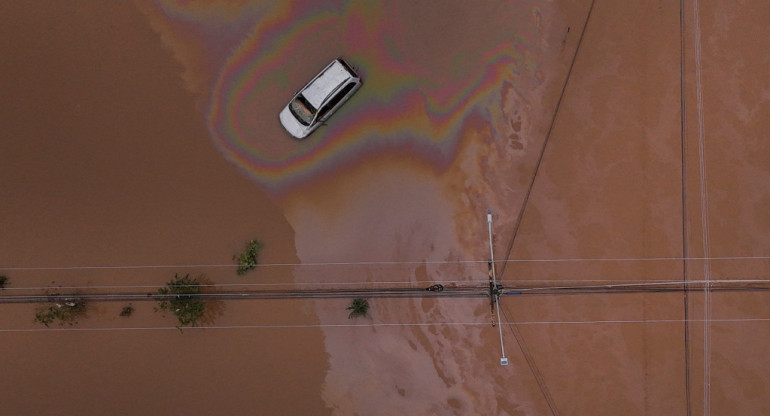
point(610, 187)
point(147, 134)
point(735, 115)
point(106, 161)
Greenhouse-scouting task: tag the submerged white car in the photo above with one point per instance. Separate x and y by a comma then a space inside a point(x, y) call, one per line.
point(320, 98)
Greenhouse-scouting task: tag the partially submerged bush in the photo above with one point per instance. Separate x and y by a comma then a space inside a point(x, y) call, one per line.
point(181, 297)
point(65, 311)
point(358, 307)
point(249, 258)
point(127, 311)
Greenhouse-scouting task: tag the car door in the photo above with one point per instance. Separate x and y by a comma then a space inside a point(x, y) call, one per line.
point(339, 97)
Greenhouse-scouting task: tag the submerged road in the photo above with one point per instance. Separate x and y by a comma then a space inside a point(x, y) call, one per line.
point(447, 292)
point(256, 294)
point(664, 287)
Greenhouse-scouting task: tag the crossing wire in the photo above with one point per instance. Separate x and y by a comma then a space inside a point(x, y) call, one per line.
point(539, 162)
point(683, 141)
point(382, 263)
point(386, 325)
point(531, 363)
point(402, 292)
point(421, 284)
point(512, 324)
point(704, 216)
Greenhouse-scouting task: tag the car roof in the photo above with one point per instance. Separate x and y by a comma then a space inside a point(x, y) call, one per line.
point(329, 80)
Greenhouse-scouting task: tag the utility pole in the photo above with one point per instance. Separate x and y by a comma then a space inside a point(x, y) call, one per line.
point(494, 290)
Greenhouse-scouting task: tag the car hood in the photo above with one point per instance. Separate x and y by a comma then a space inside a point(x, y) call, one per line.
point(290, 123)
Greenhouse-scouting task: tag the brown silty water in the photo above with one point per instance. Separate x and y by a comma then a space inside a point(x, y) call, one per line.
point(397, 207)
point(415, 191)
point(105, 161)
point(388, 200)
point(616, 196)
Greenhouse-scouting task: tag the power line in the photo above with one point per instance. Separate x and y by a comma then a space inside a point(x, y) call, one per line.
point(539, 162)
point(463, 291)
point(383, 263)
point(407, 291)
point(377, 325)
point(530, 362)
point(683, 141)
point(636, 281)
point(416, 284)
point(704, 217)
point(650, 283)
point(276, 284)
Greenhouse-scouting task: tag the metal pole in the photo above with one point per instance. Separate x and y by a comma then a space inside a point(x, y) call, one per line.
point(491, 251)
point(503, 358)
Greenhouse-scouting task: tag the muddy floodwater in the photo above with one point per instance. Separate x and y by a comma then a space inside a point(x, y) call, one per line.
point(613, 142)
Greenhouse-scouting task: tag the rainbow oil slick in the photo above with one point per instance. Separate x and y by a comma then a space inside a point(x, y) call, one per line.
point(440, 131)
point(412, 103)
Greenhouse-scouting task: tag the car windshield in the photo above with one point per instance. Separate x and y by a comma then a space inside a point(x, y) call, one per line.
point(302, 110)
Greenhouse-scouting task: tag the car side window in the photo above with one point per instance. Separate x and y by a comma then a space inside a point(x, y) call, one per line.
point(336, 99)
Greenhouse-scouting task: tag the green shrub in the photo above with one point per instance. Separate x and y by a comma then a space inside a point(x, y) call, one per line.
point(249, 258)
point(358, 307)
point(127, 311)
point(65, 311)
point(181, 297)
